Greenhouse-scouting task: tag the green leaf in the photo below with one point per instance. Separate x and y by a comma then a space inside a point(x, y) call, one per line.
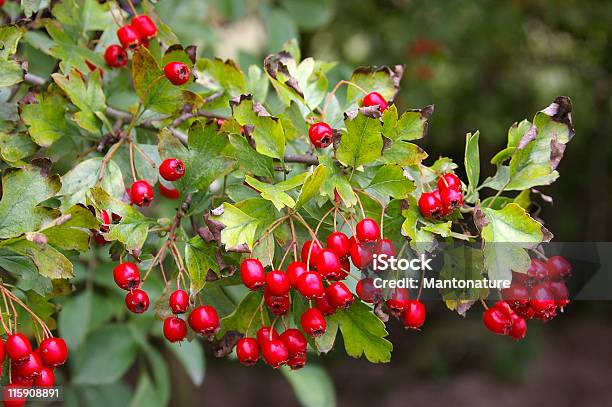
point(506, 234)
point(239, 227)
point(83, 16)
point(384, 80)
point(336, 181)
point(203, 159)
point(275, 193)
point(24, 268)
point(389, 181)
point(73, 321)
point(71, 54)
point(191, 356)
point(12, 73)
point(239, 319)
point(312, 185)
point(45, 119)
point(49, 262)
point(105, 356)
point(77, 182)
point(9, 39)
point(16, 147)
point(466, 264)
point(362, 142)
point(312, 386)
point(200, 256)
point(23, 190)
point(257, 84)
point(411, 126)
point(145, 394)
point(72, 235)
point(267, 130)
point(421, 240)
point(403, 153)
point(217, 75)
point(472, 165)
point(248, 159)
point(32, 6)
point(363, 333)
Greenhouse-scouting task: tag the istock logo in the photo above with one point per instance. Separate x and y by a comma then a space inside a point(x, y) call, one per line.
point(384, 262)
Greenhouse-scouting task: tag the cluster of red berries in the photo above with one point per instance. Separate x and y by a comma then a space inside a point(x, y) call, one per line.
point(141, 193)
point(444, 200)
point(127, 277)
point(202, 319)
point(32, 367)
point(536, 294)
point(320, 133)
point(139, 31)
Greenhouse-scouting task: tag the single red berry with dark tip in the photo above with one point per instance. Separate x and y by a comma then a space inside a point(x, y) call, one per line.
point(179, 301)
point(384, 246)
point(277, 282)
point(294, 341)
point(141, 193)
point(145, 26)
point(542, 299)
point(170, 193)
point(517, 295)
point(204, 320)
point(247, 351)
point(175, 329)
point(451, 199)
point(361, 255)
point(367, 230)
point(328, 264)
point(53, 352)
point(45, 378)
point(368, 292)
point(126, 275)
point(18, 347)
point(313, 322)
point(519, 327)
point(275, 353)
point(172, 169)
point(398, 301)
point(137, 301)
point(449, 181)
point(559, 268)
point(430, 204)
point(373, 99)
point(177, 73)
point(339, 295)
point(278, 304)
point(560, 293)
point(29, 367)
point(339, 243)
point(294, 271)
point(537, 271)
point(413, 316)
point(320, 135)
point(297, 361)
point(323, 305)
point(265, 334)
point(310, 285)
point(129, 37)
point(312, 249)
point(253, 274)
point(497, 321)
point(115, 56)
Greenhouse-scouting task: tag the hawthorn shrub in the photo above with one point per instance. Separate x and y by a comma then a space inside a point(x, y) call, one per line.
point(243, 207)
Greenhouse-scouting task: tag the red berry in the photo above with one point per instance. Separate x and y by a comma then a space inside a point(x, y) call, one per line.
point(145, 26)
point(525, 311)
point(298, 361)
point(45, 378)
point(313, 249)
point(170, 193)
point(361, 255)
point(449, 181)
point(373, 99)
point(517, 295)
point(175, 329)
point(129, 37)
point(413, 316)
point(294, 341)
point(126, 275)
point(247, 351)
point(178, 301)
point(141, 193)
point(53, 352)
point(2, 352)
point(115, 56)
point(253, 274)
point(430, 204)
point(177, 73)
point(313, 322)
point(277, 283)
point(451, 199)
point(542, 299)
point(367, 230)
point(30, 367)
point(18, 347)
point(384, 246)
point(398, 301)
point(105, 219)
point(320, 134)
point(19, 380)
point(310, 285)
point(204, 320)
point(559, 268)
point(345, 268)
point(275, 353)
point(265, 334)
point(560, 293)
point(497, 321)
point(519, 327)
point(137, 301)
point(172, 169)
point(323, 305)
point(328, 264)
point(368, 292)
point(537, 271)
point(294, 271)
point(339, 295)
point(339, 243)
point(278, 304)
